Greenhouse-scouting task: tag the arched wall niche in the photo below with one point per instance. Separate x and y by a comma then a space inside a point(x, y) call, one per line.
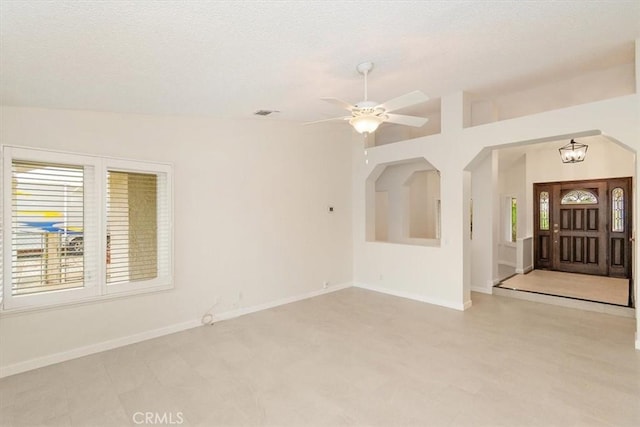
point(403, 203)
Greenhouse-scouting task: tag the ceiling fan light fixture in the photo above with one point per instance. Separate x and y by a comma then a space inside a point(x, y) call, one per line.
point(366, 116)
point(366, 124)
point(573, 152)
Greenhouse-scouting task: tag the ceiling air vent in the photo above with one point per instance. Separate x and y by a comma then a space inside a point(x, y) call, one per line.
point(265, 112)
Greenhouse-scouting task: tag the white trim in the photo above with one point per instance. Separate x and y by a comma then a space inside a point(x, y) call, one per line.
point(525, 271)
point(412, 296)
point(94, 286)
point(482, 289)
point(17, 311)
point(288, 300)
point(40, 362)
point(63, 356)
point(507, 263)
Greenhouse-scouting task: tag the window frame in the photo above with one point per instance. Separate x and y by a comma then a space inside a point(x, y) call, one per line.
point(95, 287)
point(509, 238)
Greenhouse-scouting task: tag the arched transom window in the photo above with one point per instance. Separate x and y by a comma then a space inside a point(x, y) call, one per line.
point(579, 197)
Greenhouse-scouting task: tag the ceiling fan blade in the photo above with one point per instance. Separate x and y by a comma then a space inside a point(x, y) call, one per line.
point(406, 100)
point(401, 119)
point(327, 120)
point(339, 103)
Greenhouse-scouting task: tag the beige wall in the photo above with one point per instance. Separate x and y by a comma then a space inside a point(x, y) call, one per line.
point(251, 219)
point(608, 82)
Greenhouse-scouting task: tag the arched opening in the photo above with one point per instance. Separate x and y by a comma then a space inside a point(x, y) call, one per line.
point(403, 203)
point(516, 226)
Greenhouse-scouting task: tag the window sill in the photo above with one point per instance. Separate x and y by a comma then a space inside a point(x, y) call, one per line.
point(9, 312)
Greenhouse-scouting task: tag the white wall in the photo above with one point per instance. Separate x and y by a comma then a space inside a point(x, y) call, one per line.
point(382, 216)
point(251, 217)
point(435, 274)
point(481, 244)
point(511, 183)
point(430, 199)
point(608, 82)
point(597, 85)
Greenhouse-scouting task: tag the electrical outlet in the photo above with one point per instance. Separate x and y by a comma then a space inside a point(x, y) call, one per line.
point(325, 285)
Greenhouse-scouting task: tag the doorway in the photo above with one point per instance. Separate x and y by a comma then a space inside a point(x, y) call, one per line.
point(583, 227)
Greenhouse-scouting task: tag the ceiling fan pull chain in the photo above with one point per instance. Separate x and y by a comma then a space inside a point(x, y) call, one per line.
point(366, 73)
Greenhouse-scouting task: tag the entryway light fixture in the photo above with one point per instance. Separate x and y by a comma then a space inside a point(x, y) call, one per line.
point(573, 152)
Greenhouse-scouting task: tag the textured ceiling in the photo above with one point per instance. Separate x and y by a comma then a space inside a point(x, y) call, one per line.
point(231, 58)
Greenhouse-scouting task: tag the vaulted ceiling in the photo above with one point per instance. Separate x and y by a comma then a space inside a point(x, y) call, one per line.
point(231, 58)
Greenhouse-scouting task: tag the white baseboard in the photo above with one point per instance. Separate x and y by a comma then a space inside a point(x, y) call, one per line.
point(525, 270)
point(51, 359)
point(482, 290)
point(412, 296)
point(507, 263)
point(467, 304)
point(248, 310)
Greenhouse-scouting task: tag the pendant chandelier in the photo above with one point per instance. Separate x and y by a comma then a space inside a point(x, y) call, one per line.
point(573, 152)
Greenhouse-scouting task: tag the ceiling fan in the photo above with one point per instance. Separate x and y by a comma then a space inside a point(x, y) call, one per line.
point(367, 115)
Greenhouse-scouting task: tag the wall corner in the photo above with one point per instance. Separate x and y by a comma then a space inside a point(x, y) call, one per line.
point(456, 112)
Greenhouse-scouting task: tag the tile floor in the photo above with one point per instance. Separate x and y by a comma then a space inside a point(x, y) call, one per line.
point(354, 358)
point(610, 290)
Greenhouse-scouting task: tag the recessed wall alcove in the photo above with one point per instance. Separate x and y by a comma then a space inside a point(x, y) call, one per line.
point(403, 203)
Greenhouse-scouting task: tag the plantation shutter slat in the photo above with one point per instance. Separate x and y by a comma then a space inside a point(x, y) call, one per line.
point(47, 212)
point(133, 221)
point(82, 228)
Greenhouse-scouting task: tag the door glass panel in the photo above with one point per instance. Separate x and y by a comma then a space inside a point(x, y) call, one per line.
point(544, 210)
point(617, 209)
point(579, 197)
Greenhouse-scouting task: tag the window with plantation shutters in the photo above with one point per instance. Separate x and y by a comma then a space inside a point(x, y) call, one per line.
point(82, 228)
point(47, 220)
point(137, 224)
point(132, 226)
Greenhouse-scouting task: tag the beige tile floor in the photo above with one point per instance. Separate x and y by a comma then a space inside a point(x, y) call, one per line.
point(592, 288)
point(355, 358)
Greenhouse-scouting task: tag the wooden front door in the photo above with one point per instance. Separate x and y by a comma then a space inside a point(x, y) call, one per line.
point(583, 226)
